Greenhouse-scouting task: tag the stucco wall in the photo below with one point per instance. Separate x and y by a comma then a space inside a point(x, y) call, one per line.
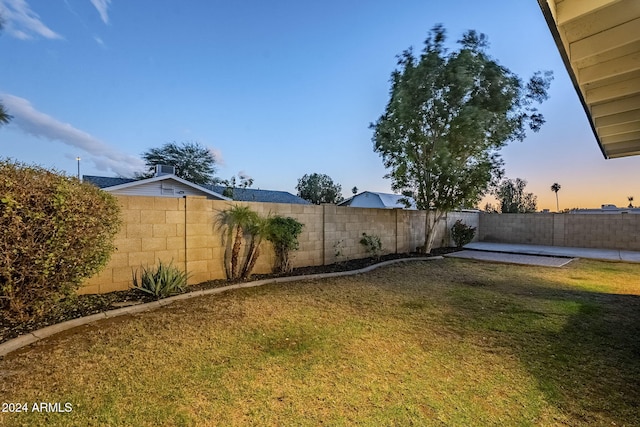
point(159, 228)
point(621, 231)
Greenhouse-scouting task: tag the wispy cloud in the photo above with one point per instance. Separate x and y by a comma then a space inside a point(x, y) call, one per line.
point(103, 7)
point(99, 41)
point(39, 124)
point(22, 22)
point(217, 155)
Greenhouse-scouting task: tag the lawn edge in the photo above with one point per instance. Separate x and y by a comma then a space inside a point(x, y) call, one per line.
point(35, 336)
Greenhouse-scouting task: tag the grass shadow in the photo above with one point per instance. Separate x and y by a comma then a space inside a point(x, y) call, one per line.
point(582, 346)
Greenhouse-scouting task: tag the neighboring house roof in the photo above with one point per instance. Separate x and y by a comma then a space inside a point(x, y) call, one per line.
point(106, 181)
point(163, 185)
point(255, 195)
point(214, 191)
point(599, 42)
point(371, 199)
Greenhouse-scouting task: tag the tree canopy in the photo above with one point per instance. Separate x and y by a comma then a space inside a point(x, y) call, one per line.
point(319, 188)
point(449, 114)
point(192, 161)
point(513, 199)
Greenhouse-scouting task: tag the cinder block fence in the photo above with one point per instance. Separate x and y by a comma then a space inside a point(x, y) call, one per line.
point(605, 231)
point(183, 230)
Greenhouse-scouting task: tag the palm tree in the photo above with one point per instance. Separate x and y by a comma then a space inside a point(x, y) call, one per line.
point(4, 116)
point(239, 219)
point(630, 198)
point(258, 229)
point(555, 188)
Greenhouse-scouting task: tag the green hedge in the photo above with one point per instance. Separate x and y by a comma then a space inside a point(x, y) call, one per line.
point(56, 232)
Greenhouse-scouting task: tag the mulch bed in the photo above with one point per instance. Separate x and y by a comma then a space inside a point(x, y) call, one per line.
point(86, 305)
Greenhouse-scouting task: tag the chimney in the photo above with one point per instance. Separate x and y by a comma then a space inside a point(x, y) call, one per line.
point(165, 170)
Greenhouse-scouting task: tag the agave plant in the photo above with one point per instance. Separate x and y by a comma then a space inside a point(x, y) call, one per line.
point(161, 281)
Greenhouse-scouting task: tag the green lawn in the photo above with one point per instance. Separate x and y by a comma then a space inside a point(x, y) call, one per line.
point(448, 342)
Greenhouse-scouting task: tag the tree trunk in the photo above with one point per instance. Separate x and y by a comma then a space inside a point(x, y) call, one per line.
point(245, 268)
point(235, 253)
point(227, 253)
point(254, 258)
point(431, 220)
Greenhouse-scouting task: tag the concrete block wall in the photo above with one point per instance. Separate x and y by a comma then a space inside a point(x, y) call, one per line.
point(533, 229)
point(344, 228)
point(184, 231)
point(416, 225)
point(153, 228)
point(443, 235)
point(610, 231)
point(605, 231)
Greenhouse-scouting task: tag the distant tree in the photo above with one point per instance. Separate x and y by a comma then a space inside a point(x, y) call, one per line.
point(192, 161)
point(319, 188)
point(354, 190)
point(449, 114)
point(513, 199)
point(555, 188)
point(489, 208)
point(630, 198)
point(4, 115)
point(243, 181)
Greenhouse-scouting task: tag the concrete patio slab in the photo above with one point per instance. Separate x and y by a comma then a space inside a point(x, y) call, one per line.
point(509, 258)
point(557, 251)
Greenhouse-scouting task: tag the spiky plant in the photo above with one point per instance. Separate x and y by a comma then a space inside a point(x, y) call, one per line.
point(161, 281)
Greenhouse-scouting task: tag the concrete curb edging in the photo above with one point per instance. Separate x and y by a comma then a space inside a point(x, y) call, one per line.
point(35, 336)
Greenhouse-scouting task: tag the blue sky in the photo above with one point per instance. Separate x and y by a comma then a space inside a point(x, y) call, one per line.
point(275, 89)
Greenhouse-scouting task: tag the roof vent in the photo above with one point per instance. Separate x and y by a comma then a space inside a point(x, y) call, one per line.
point(165, 170)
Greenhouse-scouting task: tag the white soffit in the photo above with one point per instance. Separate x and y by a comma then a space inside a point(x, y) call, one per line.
point(599, 41)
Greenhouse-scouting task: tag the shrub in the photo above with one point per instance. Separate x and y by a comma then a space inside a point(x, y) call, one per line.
point(56, 232)
point(462, 233)
point(283, 234)
point(161, 281)
point(372, 244)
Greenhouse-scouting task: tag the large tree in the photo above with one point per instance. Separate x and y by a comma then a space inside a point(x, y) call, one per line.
point(319, 188)
point(513, 199)
point(192, 161)
point(449, 114)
